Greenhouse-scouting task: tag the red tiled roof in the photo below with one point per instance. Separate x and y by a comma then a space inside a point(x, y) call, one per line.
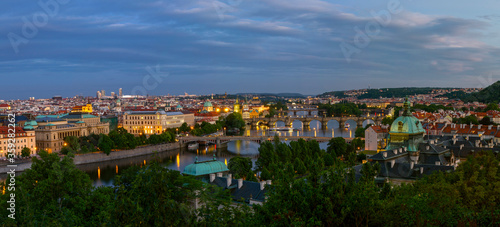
point(379, 129)
point(4, 130)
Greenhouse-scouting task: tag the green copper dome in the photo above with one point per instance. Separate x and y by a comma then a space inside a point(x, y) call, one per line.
point(407, 123)
point(205, 168)
point(406, 131)
point(207, 104)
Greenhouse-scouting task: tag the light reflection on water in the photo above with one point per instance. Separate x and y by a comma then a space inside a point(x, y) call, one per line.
point(103, 173)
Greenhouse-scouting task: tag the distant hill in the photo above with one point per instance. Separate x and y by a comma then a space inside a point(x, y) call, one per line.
point(386, 92)
point(488, 95)
point(285, 95)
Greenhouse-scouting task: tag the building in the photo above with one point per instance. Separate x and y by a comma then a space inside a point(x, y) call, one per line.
point(254, 113)
point(154, 122)
point(51, 130)
point(407, 157)
point(24, 138)
point(208, 107)
point(82, 109)
point(406, 131)
point(216, 173)
point(236, 106)
point(120, 92)
point(376, 138)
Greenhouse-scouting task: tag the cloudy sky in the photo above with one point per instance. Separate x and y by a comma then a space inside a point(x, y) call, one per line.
point(71, 47)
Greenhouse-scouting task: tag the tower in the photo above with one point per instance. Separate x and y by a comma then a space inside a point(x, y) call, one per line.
point(120, 92)
point(406, 131)
point(236, 107)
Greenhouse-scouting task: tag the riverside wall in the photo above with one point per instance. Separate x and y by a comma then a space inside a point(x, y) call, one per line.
point(101, 157)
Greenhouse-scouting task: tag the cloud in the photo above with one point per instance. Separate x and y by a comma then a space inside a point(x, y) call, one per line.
point(282, 45)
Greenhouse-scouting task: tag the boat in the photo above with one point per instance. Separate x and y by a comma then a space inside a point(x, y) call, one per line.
point(346, 126)
point(193, 146)
point(282, 129)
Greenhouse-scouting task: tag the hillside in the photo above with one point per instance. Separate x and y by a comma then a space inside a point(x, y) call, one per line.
point(487, 95)
point(386, 92)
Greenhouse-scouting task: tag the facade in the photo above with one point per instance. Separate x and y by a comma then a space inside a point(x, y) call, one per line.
point(236, 107)
point(376, 138)
point(154, 122)
point(24, 138)
point(4, 107)
point(208, 107)
point(50, 131)
point(82, 109)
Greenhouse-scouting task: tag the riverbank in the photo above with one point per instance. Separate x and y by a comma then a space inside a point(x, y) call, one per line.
point(81, 159)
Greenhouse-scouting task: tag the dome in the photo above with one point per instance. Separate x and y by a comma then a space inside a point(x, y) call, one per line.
point(207, 104)
point(205, 168)
point(407, 123)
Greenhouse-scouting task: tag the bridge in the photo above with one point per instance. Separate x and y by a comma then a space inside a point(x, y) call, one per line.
point(306, 120)
point(258, 139)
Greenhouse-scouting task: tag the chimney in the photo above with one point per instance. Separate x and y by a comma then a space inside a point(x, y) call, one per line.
point(490, 126)
point(229, 180)
point(427, 147)
point(412, 164)
point(479, 127)
point(421, 170)
point(219, 174)
point(461, 146)
point(212, 177)
point(392, 163)
point(384, 154)
point(268, 182)
point(437, 163)
point(240, 183)
point(263, 185)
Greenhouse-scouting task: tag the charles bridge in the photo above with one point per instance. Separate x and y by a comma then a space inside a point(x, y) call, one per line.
point(306, 120)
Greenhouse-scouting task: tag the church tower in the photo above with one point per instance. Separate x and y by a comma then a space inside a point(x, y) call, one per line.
point(406, 131)
point(236, 107)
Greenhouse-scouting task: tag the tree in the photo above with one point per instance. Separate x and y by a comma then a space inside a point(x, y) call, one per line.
point(337, 145)
point(265, 174)
point(184, 128)
point(25, 152)
point(492, 106)
point(234, 120)
point(360, 132)
point(73, 143)
point(240, 166)
point(53, 192)
point(329, 160)
point(301, 168)
point(486, 121)
point(105, 144)
point(387, 120)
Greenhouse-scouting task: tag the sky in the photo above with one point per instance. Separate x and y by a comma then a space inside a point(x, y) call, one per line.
point(69, 47)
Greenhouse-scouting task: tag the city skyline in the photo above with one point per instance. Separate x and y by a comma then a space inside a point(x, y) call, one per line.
point(274, 46)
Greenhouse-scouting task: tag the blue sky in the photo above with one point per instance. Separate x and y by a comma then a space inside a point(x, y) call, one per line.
point(204, 47)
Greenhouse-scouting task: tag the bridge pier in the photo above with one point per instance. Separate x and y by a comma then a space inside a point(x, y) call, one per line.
point(324, 125)
point(359, 124)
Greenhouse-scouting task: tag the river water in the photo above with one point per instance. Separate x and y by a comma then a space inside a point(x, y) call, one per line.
point(103, 173)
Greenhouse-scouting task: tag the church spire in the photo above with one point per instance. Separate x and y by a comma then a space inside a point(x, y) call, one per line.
point(406, 107)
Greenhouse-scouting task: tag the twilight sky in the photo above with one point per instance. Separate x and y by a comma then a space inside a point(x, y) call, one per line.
point(203, 47)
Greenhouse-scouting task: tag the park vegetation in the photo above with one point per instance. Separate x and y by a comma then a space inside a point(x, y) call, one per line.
point(310, 187)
